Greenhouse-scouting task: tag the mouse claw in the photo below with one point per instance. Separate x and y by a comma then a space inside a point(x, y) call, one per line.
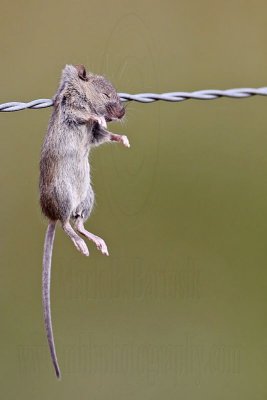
point(101, 245)
point(81, 246)
point(125, 141)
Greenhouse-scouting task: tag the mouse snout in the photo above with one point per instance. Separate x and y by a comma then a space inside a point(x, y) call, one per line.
point(115, 111)
point(121, 112)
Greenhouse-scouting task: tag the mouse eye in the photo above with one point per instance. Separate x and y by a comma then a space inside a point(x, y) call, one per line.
point(107, 95)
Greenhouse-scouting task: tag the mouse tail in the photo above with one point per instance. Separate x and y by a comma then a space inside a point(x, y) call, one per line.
point(46, 279)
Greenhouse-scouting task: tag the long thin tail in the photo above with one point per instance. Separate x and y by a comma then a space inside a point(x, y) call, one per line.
point(46, 279)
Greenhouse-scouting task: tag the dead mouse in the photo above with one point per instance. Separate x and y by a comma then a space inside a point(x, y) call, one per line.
point(83, 105)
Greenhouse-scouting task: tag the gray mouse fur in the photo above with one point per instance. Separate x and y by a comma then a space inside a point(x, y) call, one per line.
point(83, 104)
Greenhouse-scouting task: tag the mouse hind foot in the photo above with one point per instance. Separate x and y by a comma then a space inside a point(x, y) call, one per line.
point(100, 243)
point(78, 242)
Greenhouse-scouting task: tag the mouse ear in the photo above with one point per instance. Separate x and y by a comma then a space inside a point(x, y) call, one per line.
point(81, 72)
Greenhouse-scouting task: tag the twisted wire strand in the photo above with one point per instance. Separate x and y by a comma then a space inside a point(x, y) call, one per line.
point(150, 97)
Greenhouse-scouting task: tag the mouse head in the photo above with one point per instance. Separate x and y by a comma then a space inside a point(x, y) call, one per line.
point(94, 90)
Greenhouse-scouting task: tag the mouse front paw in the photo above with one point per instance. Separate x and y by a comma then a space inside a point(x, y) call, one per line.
point(125, 141)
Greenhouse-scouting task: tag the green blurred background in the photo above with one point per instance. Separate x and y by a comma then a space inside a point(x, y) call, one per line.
point(178, 310)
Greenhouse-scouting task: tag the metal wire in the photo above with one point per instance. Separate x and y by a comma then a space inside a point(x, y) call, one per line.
point(151, 97)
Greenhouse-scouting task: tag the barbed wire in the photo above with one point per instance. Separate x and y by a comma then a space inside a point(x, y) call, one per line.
point(150, 97)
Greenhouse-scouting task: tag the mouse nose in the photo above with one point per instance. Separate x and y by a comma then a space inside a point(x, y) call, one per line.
point(121, 112)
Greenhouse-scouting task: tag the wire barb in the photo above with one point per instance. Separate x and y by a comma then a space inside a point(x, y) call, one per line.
point(151, 97)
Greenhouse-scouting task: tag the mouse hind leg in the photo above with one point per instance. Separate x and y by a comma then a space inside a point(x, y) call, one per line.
point(78, 242)
point(63, 204)
point(100, 243)
point(81, 214)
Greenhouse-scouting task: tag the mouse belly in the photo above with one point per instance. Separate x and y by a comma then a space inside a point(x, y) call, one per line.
point(69, 194)
point(85, 206)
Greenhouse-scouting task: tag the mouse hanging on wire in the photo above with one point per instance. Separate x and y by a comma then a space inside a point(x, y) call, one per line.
point(83, 105)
